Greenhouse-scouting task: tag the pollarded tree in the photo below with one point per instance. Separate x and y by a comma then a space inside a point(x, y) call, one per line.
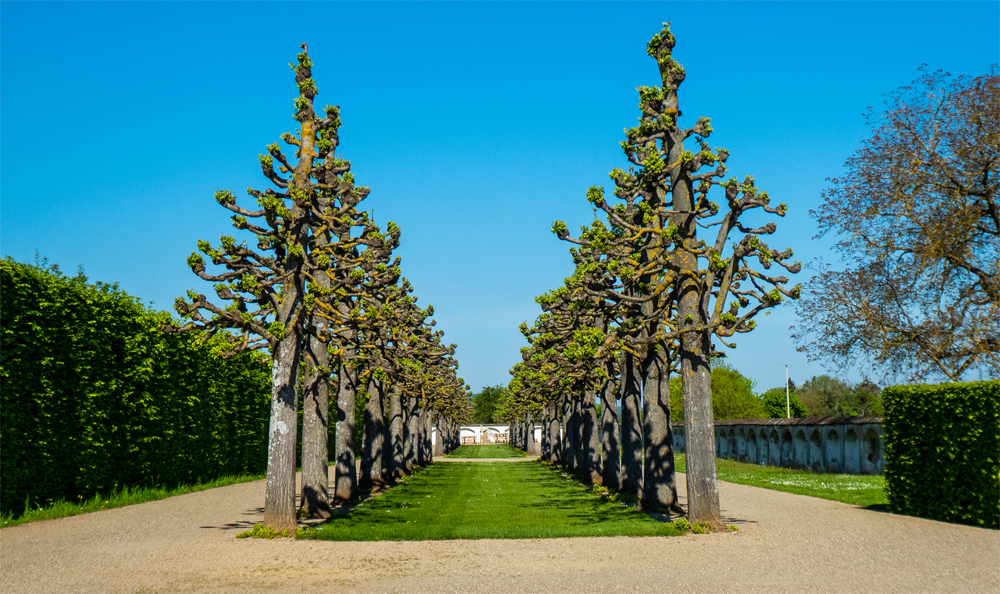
point(265, 287)
point(918, 220)
point(625, 270)
point(667, 185)
point(351, 271)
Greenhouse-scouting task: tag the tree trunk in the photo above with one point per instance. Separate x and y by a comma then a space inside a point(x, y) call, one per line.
point(659, 487)
point(566, 437)
point(545, 447)
point(397, 435)
point(576, 419)
point(418, 441)
point(372, 444)
point(590, 440)
point(439, 436)
point(695, 348)
point(699, 431)
point(428, 446)
point(631, 428)
point(279, 494)
point(410, 441)
point(529, 440)
point(315, 499)
point(346, 480)
point(611, 462)
point(553, 430)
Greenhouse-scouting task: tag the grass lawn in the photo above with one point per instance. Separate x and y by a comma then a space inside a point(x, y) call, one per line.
point(497, 450)
point(856, 489)
point(121, 498)
point(472, 500)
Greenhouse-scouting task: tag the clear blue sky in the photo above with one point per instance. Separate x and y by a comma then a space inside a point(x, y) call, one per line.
point(476, 125)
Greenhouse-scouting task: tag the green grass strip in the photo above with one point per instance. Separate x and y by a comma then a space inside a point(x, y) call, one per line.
point(473, 500)
point(118, 498)
point(856, 489)
point(497, 450)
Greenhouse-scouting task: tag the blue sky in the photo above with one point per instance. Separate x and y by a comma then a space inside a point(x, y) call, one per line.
point(476, 125)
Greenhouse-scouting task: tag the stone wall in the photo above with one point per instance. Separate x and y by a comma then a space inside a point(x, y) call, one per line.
point(848, 445)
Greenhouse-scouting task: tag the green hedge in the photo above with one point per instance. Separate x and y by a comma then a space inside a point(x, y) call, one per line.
point(942, 446)
point(95, 397)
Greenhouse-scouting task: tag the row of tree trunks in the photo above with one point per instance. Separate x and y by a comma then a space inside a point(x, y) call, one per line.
point(315, 497)
point(611, 463)
point(631, 428)
point(632, 452)
point(659, 487)
point(552, 433)
point(373, 445)
point(393, 447)
point(346, 479)
point(529, 437)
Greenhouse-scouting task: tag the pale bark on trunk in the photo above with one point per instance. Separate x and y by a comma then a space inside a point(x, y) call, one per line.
point(545, 447)
point(439, 436)
point(397, 435)
point(631, 429)
point(410, 440)
point(346, 479)
point(699, 432)
point(611, 463)
point(553, 429)
point(529, 440)
point(579, 453)
point(695, 349)
point(566, 439)
point(418, 442)
point(590, 440)
point(315, 499)
point(279, 492)
point(427, 445)
point(659, 487)
point(372, 443)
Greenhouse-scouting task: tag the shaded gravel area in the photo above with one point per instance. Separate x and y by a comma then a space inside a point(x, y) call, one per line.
point(785, 543)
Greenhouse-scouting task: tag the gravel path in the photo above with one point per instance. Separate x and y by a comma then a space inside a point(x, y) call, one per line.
point(786, 543)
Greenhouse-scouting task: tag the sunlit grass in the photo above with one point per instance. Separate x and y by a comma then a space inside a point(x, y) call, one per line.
point(473, 500)
point(856, 489)
point(118, 498)
point(495, 450)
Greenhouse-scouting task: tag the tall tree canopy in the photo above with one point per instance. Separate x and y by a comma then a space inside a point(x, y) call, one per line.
point(486, 404)
point(919, 224)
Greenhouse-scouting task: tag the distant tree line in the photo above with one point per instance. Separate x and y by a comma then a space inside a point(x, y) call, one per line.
point(734, 397)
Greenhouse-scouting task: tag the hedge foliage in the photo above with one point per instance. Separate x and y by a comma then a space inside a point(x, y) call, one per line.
point(942, 447)
point(95, 397)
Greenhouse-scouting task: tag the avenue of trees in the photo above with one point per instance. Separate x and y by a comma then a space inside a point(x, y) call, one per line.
point(917, 220)
point(319, 289)
point(658, 277)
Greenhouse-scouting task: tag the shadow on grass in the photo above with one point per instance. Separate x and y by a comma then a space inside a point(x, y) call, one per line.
point(469, 500)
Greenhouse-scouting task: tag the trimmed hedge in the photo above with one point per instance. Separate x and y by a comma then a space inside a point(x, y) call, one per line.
point(95, 397)
point(942, 446)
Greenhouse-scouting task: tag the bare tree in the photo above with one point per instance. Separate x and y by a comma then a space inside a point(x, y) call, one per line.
point(918, 225)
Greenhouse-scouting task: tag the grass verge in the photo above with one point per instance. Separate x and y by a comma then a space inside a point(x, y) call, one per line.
point(856, 489)
point(496, 450)
point(473, 500)
point(118, 498)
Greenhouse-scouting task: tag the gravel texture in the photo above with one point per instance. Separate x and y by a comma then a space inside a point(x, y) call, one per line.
point(785, 543)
